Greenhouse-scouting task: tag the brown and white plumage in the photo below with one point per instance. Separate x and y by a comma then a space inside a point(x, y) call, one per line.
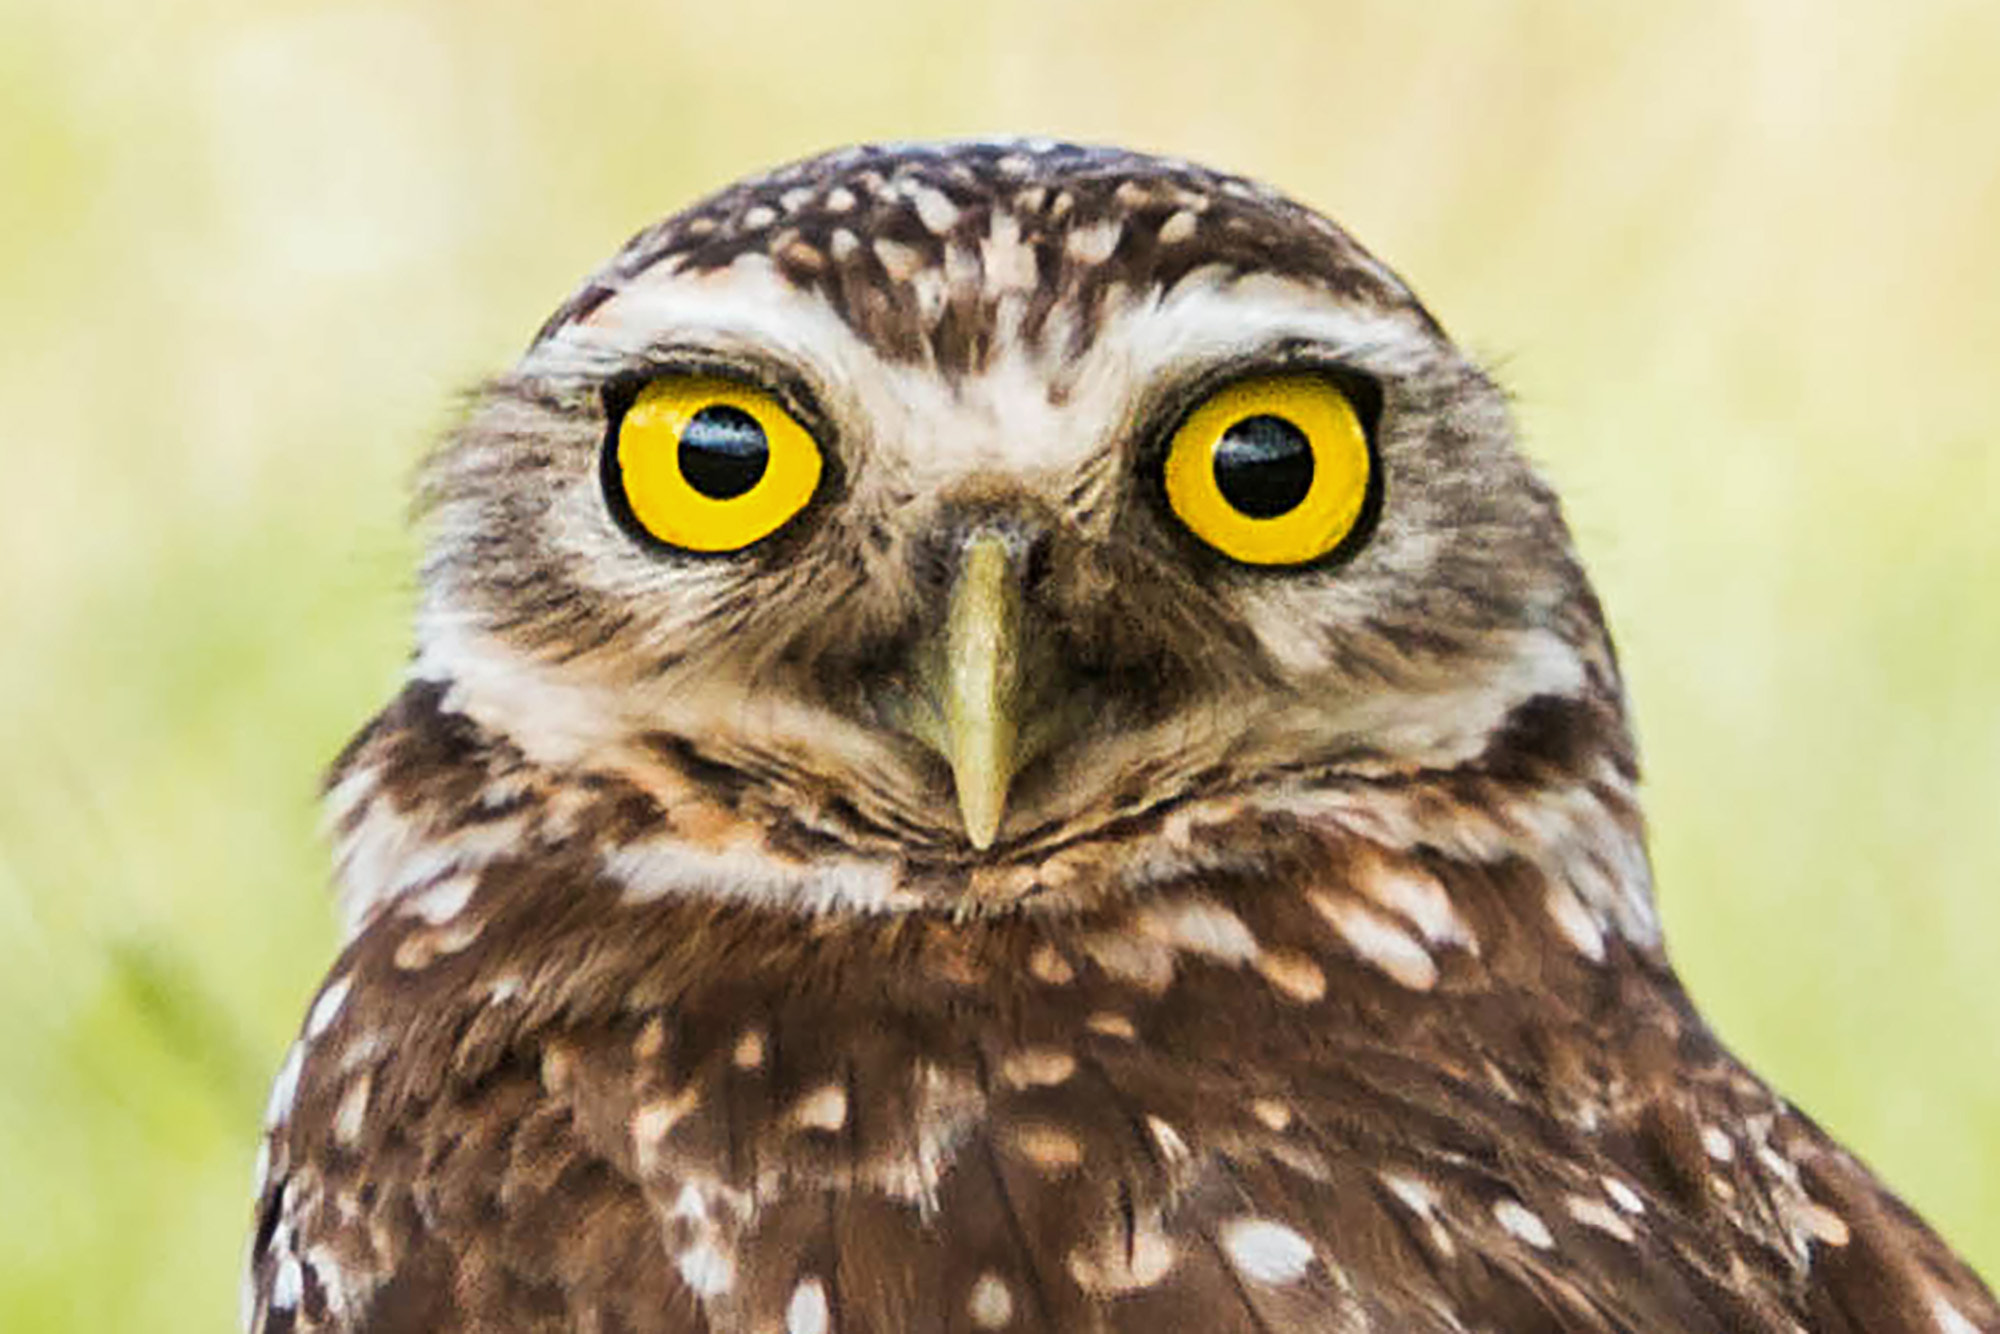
point(1309, 979)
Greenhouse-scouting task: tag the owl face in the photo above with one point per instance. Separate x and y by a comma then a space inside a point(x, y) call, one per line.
point(1086, 486)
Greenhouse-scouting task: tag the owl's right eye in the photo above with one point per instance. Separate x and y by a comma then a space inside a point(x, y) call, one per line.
point(709, 465)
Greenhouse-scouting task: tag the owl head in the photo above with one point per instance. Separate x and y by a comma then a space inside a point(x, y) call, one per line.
point(954, 507)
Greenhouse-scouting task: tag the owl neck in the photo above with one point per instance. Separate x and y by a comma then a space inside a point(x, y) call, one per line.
point(425, 798)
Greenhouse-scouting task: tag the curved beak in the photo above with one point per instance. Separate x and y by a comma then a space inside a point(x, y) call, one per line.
point(973, 679)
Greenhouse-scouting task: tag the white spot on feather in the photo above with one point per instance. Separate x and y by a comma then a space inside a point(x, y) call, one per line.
point(807, 1312)
point(1094, 242)
point(1037, 1067)
point(1524, 1223)
point(285, 1087)
point(825, 1108)
point(288, 1284)
point(1624, 1196)
point(1574, 921)
point(1201, 928)
point(352, 1113)
point(327, 1008)
point(1116, 1265)
point(1172, 1147)
point(442, 901)
point(1422, 1200)
point(990, 1303)
point(1950, 1320)
point(934, 209)
point(652, 1123)
point(900, 262)
point(1717, 1143)
point(1378, 940)
point(1265, 1251)
point(1420, 898)
point(1292, 975)
point(1822, 1223)
point(1597, 1214)
point(706, 1270)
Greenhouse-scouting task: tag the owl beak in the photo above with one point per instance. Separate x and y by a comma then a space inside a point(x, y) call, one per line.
point(975, 683)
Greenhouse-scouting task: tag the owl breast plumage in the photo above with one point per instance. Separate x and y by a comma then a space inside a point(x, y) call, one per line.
point(1001, 739)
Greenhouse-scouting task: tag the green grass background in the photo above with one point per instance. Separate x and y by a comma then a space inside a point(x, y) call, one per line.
point(1740, 262)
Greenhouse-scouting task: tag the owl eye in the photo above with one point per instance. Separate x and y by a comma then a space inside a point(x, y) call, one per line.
point(707, 464)
point(1271, 471)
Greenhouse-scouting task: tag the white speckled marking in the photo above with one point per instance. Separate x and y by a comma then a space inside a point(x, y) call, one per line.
point(285, 1087)
point(439, 903)
point(990, 1303)
point(807, 1312)
point(288, 1284)
point(1054, 1151)
point(749, 1053)
point(1172, 1147)
point(1420, 1199)
point(934, 209)
point(1178, 228)
point(1524, 1223)
point(839, 199)
point(900, 262)
point(1824, 1224)
point(1111, 1025)
point(1950, 1320)
point(1717, 1144)
point(825, 1108)
point(1292, 975)
point(653, 1122)
point(1094, 242)
point(1597, 1214)
point(1200, 928)
point(327, 1008)
point(706, 1271)
point(1420, 898)
point(1574, 921)
point(1115, 1265)
point(1624, 1196)
point(352, 1113)
point(1378, 941)
point(758, 217)
point(1048, 965)
point(1037, 1067)
point(1141, 962)
point(422, 947)
point(1264, 1251)
point(1274, 1114)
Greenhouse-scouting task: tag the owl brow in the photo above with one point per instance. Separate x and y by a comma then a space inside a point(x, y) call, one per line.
point(1180, 389)
point(755, 367)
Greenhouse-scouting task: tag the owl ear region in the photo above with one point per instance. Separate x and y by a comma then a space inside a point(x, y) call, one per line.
point(1273, 470)
point(708, 465)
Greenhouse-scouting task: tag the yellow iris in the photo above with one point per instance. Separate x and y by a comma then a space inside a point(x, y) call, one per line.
point(708, 464)
point(1272, 470)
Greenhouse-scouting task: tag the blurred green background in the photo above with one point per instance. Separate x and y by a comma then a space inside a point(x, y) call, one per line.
point(1738, 261)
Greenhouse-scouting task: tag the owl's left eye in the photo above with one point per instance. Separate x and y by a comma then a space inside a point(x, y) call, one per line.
point(707, 464)
point(1274, 470)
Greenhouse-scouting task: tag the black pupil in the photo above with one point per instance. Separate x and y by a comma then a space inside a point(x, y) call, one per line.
point(723, 451)
point(1263, 466)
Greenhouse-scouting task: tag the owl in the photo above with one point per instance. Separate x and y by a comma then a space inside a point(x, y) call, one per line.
point(1000, 739)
